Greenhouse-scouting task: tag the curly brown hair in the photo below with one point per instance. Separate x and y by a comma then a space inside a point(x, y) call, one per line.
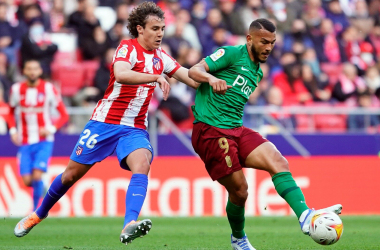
point(140, 14)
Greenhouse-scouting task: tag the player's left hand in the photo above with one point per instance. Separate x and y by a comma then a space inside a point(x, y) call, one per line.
point(47, 131)
point(165, 87)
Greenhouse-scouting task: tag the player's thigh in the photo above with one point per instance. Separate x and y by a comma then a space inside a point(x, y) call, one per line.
point(216, 149)
point(267, 157)
point(248, 141)
point(97, 141)
point(134, 151)
point(42, 153)
point(25, 160)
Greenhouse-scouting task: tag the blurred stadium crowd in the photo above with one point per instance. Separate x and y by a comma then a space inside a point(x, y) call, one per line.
point(327, 52)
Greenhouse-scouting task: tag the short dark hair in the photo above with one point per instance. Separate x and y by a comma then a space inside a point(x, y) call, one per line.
point(140, 14)
point(30, 60)
point(262, 23)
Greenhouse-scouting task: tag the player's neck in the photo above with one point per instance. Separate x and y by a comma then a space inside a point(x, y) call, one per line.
point(33, 84)
point(140, 40)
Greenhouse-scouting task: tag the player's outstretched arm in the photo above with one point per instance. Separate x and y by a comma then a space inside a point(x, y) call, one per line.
point(199, 73)
point(182, 75)
point(125, 75)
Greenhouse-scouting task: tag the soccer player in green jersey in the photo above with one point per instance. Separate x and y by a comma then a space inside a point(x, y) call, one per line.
point(228, 77)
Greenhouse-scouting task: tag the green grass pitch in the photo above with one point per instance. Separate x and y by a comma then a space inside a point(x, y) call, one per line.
point(360, 233)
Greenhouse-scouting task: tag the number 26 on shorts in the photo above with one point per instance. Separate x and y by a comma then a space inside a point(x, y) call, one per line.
point(91, 141)
point(223, 144)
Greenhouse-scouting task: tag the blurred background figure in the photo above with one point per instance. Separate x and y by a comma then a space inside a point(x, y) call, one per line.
point(38, 45)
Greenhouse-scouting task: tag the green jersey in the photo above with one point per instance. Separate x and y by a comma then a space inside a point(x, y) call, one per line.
point(232, 64)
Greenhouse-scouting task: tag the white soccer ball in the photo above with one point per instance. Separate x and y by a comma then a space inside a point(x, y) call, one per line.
point(326, 228)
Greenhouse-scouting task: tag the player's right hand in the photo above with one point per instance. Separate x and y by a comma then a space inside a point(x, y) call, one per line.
point(15, 140)
point(219, 86)
point(165, 86)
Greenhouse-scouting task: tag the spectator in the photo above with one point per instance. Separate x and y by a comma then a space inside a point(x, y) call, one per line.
point(275, 98)
point(95, 47)
point(57, 17)
point(316, 88)
point(336, 14)
point(87, 26)
point(37, 45)
point(198, 14)
point(231, 17)
point(170, 7)
point(348, 86)
point(326, 43)
point(76, 18)
point(309, 57)
point(6, 35)
point(372, 79)
point(206, 31)
point(291, 85)
point(374, 39)
point(3, 113)
point(122, 13)
point(179, 47)
point(188, 31)
point(116, 33)
point(251, 11)
point(103, 73)
point(362, 123)
point(32, 12)
point(298, 34)
point(178, 101)
point(6, 76)
point(360, 17)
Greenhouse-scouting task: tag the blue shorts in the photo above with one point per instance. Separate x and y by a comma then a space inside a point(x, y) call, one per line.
point(99, 140)
point(34, 156)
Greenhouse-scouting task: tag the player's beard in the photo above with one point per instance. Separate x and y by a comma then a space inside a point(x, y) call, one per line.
point(256, 55)
point(33, 80)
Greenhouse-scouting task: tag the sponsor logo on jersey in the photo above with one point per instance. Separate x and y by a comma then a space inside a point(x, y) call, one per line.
point(122, 53)
point(156, 63)
point(79, 150)
point(218, 54)
point(241, 81)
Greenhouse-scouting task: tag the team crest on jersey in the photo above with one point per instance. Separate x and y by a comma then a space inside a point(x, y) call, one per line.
point(217, 54)
point(156, 63)
point(40, 97)
point(122, 52)
point(79, 150)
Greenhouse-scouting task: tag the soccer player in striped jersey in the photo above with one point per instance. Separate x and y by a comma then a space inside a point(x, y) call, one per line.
point(228, 77)
point(119, 120)
point(35, 129)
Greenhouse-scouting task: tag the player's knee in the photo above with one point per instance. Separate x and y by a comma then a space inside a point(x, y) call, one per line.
point(281, 164)
point(240, 195)
point(69, 178)
point(141, 168)
point(28, 183)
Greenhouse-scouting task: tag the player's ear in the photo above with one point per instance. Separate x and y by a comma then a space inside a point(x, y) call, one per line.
point(140, 29)
point(249, 38)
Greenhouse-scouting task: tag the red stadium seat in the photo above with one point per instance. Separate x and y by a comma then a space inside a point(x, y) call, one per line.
point(90, 68)
point(70, 78)
point(332, 70)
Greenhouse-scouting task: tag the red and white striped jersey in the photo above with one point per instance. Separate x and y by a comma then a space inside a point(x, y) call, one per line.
point(128, 104)
point(34, 105)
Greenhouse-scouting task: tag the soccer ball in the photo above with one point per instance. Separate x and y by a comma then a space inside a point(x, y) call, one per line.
point(326, 228)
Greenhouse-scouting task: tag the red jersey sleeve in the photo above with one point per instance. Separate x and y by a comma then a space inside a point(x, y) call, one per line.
point(125, 52)
point(58, 104)
point(170, 64)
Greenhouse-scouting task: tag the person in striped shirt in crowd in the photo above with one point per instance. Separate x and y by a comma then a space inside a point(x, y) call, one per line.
point(120, 119)
point(34, 132)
